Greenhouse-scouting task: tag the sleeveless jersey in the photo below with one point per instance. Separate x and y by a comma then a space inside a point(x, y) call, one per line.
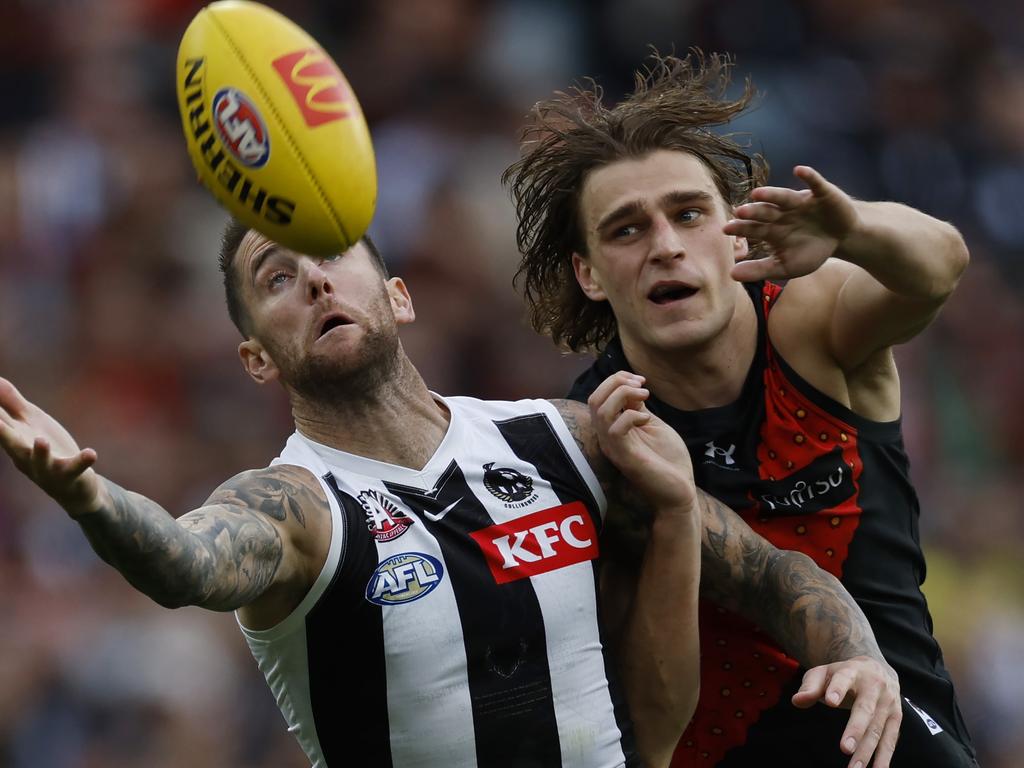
point(455, 621)
point(807, 474)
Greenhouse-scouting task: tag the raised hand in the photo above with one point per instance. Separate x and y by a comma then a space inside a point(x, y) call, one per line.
point(647, 451)
point(43, 450)
point(871, 691)
point(802, 228)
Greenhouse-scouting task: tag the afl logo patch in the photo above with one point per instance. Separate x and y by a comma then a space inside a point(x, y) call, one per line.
point(383, 518)
point(241, 128)
point(507, 484)
point(404, 578)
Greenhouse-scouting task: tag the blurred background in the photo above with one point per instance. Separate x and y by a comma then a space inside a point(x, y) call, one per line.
point(112, 318)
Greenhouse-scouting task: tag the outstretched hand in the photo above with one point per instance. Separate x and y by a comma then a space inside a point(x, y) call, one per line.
point(871, 690)
point(647, 451)
point(44, 451)
point(802, 228)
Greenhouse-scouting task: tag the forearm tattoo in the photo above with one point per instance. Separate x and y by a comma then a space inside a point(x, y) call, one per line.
point(808, 612)
point(221, 556)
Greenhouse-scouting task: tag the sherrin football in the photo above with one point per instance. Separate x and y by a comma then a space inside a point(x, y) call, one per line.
point(273, 128)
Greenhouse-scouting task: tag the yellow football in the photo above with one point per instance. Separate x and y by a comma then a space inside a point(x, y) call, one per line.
point(273, 128)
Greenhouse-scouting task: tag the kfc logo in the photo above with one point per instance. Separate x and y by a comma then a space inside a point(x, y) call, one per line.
point(316, 84)
point(540, 542)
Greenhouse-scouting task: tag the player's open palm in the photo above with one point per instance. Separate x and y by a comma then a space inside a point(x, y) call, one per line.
point(42, 449)
point(802, 228)
point(647, 451)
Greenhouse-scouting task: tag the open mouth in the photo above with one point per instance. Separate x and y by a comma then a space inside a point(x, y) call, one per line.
point(666, 293)
point(332, 322)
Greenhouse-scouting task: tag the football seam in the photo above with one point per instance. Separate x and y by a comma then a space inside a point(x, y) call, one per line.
point(284, 129)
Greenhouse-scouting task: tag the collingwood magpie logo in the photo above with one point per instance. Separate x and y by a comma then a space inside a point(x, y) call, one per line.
point(512, 487)
point(720, 457)
point(383, 518)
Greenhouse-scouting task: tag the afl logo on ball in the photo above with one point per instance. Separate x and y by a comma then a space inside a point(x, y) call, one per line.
point(404, 578)
point(241, 128)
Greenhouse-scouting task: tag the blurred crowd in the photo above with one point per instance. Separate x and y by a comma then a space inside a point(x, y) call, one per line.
point(112, 316)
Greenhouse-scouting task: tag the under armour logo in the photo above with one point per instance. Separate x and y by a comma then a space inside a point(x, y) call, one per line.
point(714, 451)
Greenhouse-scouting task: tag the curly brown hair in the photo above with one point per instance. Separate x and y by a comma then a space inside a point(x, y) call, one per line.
point(673, 106)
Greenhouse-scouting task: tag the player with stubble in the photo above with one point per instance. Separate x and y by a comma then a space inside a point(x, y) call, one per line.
point(418, 576)
point(763, 320)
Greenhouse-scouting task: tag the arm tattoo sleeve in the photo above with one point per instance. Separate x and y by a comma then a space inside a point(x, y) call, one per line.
point(805, 609)
point(221, 556)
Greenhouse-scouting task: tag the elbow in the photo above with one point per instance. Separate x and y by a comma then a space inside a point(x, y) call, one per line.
point(956, 258)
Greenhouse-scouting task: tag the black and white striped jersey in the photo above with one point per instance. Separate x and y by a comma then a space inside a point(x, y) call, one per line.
point(455, 622)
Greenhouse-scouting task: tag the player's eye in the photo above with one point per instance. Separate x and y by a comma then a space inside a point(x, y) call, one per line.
point(277, 279)
point(690, 215)
point(621, 233)
point(333, 257)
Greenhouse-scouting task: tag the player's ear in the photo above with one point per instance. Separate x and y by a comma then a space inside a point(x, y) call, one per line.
point(257, 361)
point(401, 301)
point(588, 278)
point(740, 247)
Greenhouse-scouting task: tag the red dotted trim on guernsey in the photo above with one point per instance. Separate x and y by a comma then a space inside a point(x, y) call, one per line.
point(743, 672)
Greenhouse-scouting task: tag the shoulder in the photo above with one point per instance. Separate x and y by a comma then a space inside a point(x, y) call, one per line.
point(577, 418)
point(281, 492)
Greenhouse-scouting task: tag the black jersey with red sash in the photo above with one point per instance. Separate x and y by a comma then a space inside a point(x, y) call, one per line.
point(808, 474)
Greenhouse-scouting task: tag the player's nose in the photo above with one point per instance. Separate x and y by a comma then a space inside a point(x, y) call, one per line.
point(318, 282)
point(666, 240)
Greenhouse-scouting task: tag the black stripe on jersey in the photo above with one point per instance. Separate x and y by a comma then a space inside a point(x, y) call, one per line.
point(503, 632)
point(345, 637)
point(534, 440)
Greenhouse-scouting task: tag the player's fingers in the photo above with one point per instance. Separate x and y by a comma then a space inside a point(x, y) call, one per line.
point(40, 457)
point(624, 397)
point(13, 443)
point(812, 687)
point(627, 420)
point(863, 731)
point(759, 212)
point(756, 230)
point(817, 183)
point(887, 744)
point(609, 385)
point(839, 686)
point(752, 270)
point(11, 399)
point(72, 467)
point(781, 197)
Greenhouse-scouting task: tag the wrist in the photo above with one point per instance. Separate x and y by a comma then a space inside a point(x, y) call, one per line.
point(90, 504)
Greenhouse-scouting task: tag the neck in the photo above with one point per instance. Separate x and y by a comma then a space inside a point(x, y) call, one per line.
point(397, 421)
point(705, 375)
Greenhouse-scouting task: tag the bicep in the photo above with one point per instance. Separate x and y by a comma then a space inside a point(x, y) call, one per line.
point(238, 554)
point(868, 317)
point(254, 532)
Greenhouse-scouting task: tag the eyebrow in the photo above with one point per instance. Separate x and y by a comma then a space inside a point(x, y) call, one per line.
point(270, 250)
point(634, 207)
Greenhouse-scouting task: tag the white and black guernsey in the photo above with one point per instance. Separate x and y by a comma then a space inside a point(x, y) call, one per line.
point(455, 622)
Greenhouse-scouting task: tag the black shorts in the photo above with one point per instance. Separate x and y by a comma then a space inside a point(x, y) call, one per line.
point(788, 737)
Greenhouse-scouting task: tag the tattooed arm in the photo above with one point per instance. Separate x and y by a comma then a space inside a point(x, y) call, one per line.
point(248, 547)
point(243, 546)
point(816, 621)
point(807, 610)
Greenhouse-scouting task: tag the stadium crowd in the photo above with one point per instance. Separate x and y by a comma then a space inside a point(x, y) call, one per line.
point(112, 317)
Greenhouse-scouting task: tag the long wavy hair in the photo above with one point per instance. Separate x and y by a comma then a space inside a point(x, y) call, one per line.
point(675, 104)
